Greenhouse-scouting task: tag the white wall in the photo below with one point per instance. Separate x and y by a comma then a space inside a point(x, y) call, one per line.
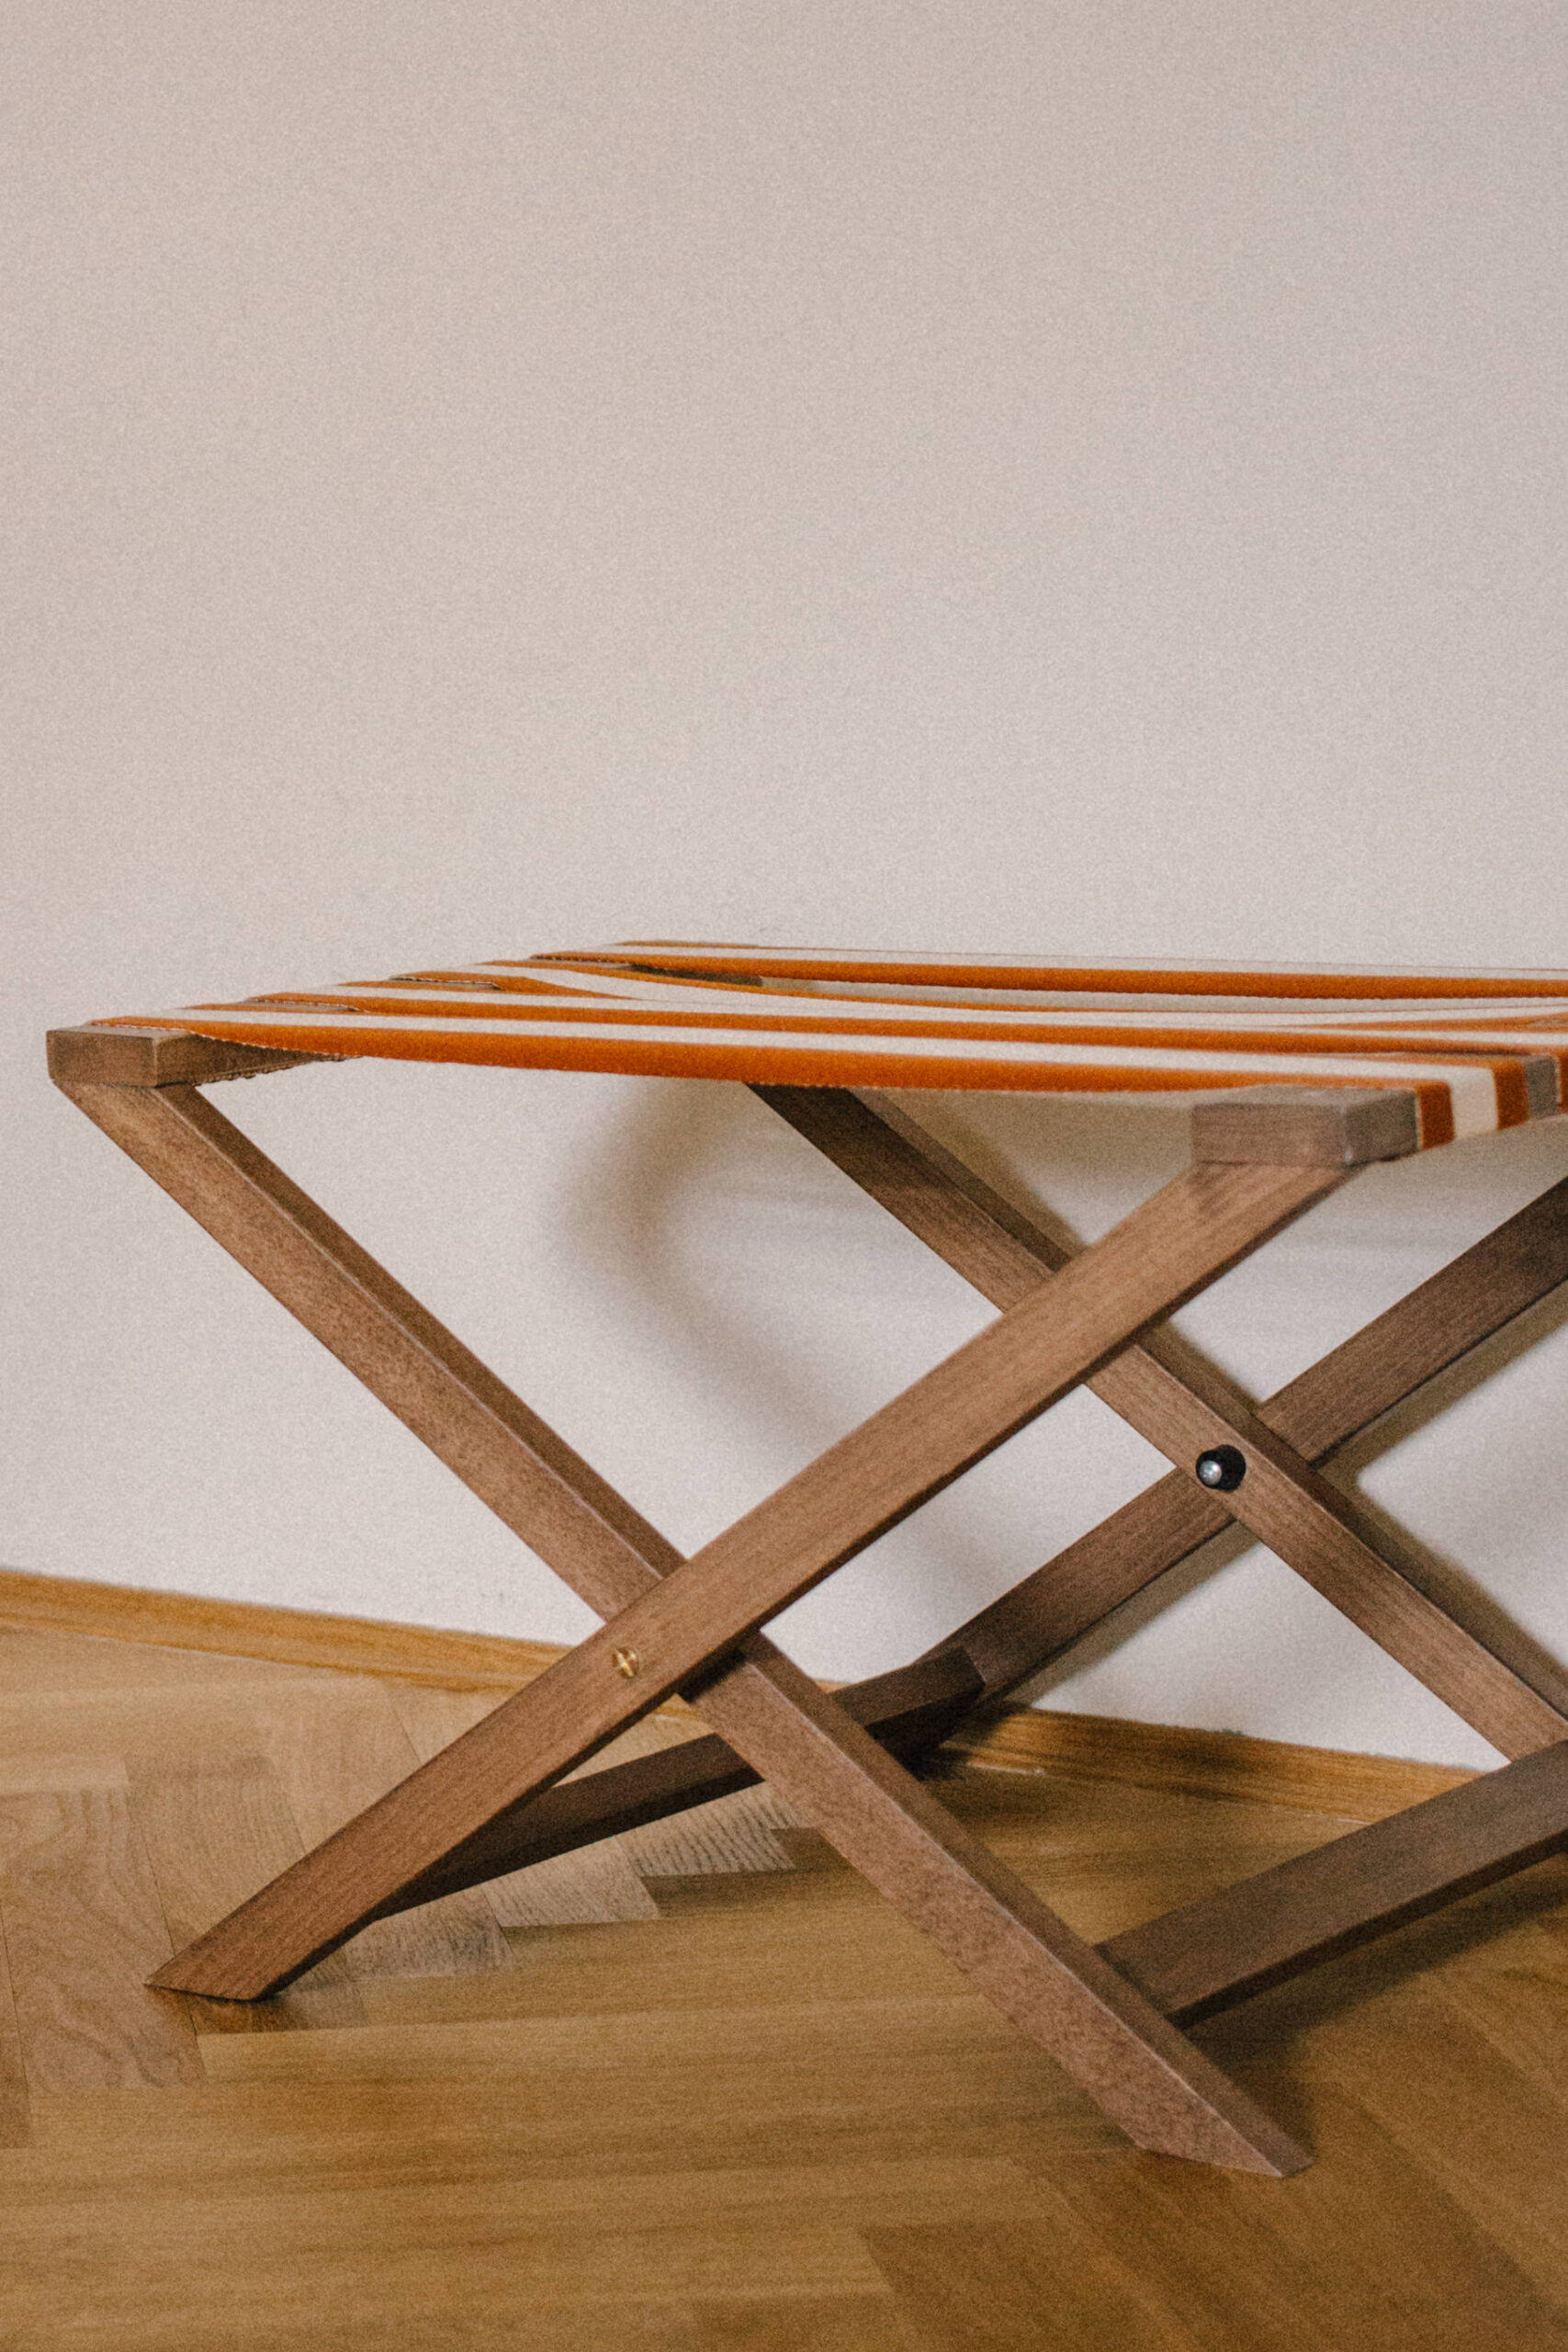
point(486, 478)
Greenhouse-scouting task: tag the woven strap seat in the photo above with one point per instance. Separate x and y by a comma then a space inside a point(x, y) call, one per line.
point(1299, 1076)
point(1479, 1050)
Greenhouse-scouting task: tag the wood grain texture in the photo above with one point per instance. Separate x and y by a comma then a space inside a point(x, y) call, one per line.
point(1089, 2024)
point(84, 1929)
point(899, 1457)
point(692, 1616)
point(231, 1634)
point(1330, 1542)
point(1048, 1981)
point(836, 2324)
point(1499, 2167)
point(905, 1710)
point(215, 1823)
point(1373, 2251)
point(539, 1486)
point(16, 2111)
point(741, 1832)
point(1203, 1763)
point(1000, 2287)
point(685, 1618)
point(1033, 1967)
point(1161, 2090)
point(1330, 1127)
point(333, 1761)
point(1262, 1931)
point(566, 1887)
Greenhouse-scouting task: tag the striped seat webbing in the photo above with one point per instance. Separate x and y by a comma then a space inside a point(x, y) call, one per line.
point(1481, 1050)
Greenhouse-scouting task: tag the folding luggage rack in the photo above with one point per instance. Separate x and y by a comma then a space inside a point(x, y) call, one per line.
point(1302, 1074)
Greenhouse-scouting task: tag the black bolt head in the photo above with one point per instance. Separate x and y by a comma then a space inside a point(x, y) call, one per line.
point(1223, 1467)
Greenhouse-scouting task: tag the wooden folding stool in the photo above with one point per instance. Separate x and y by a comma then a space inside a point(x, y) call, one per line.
point(1393, 1063)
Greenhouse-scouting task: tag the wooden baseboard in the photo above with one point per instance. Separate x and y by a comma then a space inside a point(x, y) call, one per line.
point(1203, 1763)
point(179, 1621)
point(1021, 1740)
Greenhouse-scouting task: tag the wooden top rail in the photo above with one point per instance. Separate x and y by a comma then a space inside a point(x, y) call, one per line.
point(89, 1056)
point(1289, 1126)
point(1324, 1126)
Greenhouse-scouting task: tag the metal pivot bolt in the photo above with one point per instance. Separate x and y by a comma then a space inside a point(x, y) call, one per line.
point(627, 1663)
point(1223, 1467)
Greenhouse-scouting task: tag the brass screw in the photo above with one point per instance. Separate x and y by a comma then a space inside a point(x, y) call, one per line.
point(627, 1663)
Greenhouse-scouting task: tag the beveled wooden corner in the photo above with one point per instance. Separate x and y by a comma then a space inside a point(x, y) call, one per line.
point(1324, 1127)
point(1339, 1127)
point(95, 1056)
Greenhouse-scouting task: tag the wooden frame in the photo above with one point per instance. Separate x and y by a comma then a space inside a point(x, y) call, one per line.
point(494, 1800)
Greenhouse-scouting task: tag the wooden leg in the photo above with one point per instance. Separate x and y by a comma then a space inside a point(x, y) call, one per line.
point(1166, 2094)
point(1325, 1409)
point(690, 1618)
point(1457, 1309)
point(1210, 1954)
point(1166, 1391)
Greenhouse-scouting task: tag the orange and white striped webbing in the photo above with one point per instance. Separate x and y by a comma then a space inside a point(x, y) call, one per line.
point(1481, 1049)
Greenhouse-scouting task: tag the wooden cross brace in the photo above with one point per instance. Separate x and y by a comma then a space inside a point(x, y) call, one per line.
point(493, 1800)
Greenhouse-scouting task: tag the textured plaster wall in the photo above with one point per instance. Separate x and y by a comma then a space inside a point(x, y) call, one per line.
point(483, 478)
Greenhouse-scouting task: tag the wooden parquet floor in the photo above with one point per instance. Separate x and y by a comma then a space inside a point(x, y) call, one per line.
point(701, 2091)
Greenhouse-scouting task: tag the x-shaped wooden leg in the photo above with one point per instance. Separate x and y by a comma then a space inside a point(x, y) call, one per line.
point(1479, 1294)
point(1166, 1390)
point(1188, 1964)
point(695, 1625)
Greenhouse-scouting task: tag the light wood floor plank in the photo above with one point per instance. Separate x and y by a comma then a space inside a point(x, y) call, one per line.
point(216, 1826)
point(84, 1929)
point(1503, 2161)
point(850, 2048)
point(16, 2105)
point(734, 1834)
point(32, 1663)
point(333, 1759)
point(826, 2323)
point(1011, 2288)
point(1513, 1990)
point(302, 2137)
point(764, 1940)
point(766, 2117)
point(254, 2272)
point(1367, 2250)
